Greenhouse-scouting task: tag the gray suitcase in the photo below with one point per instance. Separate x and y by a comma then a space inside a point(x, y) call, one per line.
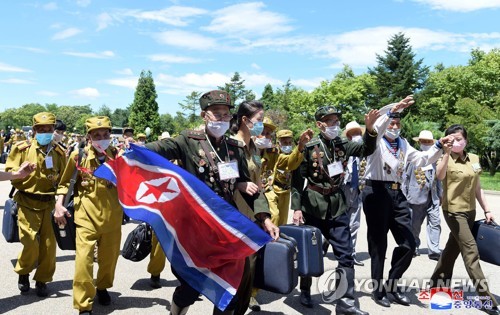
point(9, 225)
point(310, 256)
point(488, 241)
point(276, 266)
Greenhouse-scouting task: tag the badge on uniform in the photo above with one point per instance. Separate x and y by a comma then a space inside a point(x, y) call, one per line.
point(335, 168)
point(228, 170)
point(48, 162)
point(476, 167)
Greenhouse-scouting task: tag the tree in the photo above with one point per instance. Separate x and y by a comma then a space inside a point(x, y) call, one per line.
point(74, 117)
point(144, 109)
point(397, 73)
point(236, 89)
point(190, 108)
point(168, 124)
point(493, 141)
point(105, 111)
point(120, 117)
point(268, 98)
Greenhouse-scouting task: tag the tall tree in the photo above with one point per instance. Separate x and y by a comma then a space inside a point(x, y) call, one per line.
point(120, 117)
point(268, 98)
point(105, 111)
point(191, 106)
point(397, 73)
point(236, 89)
point(144, 109)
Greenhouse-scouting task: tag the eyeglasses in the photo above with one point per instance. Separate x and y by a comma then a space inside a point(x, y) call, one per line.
point(331, 121)
point(219, 117)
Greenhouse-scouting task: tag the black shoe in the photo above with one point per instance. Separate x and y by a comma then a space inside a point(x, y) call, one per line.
point(381, 300)
point(416, 253)
point(154, 282)
point(85, 313)
point(347, 306)
point(103, 297)
point(41, 289)
point(400, 298)
point(358, 263)
point(305, 299)
point(254, 305)
point(435, 256)
point(491, 311)
point(24, 283)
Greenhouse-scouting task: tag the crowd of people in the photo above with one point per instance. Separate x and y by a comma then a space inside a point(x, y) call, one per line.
point(324, 181)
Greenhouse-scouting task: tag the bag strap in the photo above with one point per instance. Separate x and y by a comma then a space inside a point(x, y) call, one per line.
point(227, 194)
point(72, 181)
point(12, 190)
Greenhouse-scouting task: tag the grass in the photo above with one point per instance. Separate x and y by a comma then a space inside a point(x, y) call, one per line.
point(489, 182)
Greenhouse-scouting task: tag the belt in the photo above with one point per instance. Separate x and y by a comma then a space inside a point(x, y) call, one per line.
point(324, 191)
point(281, 185)
point(389, 185)
point(38, 197)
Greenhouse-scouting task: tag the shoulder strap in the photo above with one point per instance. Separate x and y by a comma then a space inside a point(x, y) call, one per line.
point(12, 190)
point(227, 194)
point(73, 179)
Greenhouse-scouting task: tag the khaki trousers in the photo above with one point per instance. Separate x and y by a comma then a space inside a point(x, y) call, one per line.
point(279, 205)
point(157, 257)
point(461, 241)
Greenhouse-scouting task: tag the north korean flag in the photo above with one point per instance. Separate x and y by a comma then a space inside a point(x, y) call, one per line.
point(205, 239)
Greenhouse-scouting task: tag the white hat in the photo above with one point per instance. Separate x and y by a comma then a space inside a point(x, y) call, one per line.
point(351, 126)
point(424, 135)
point(164, 135)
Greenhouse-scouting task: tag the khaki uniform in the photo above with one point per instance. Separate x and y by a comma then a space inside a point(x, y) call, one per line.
point(35, 199)
point(269, 158)
point(279, 194)
point(157, 257)
point(98, 218)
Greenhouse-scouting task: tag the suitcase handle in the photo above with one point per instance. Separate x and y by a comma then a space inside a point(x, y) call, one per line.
point(492, 223)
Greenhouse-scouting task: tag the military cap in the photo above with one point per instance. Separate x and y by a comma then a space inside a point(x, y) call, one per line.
point(97, 122)
point(128, 129)
point(269, 123)
point(325, 111)
point(44, 118)
point(394, 115)
point(215, 97)
point(18, 130)
point(284, 134)
point(141, 135)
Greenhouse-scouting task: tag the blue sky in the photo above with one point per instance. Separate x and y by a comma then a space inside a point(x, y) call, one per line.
point(91, 52)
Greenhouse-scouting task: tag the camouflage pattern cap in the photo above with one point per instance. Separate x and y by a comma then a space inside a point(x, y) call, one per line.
point(97, 122)
point(285, 133)
point(325, 111)
point(44, 118)
point(215, 97)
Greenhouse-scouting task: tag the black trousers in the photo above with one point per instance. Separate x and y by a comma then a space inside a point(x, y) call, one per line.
point(338, 234)
point(387, 209)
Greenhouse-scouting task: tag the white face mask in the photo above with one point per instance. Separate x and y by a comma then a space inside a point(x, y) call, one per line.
point(286, 149)
point(101, 145)
point(331, 132)
point(357, 139)
point(217, 128)
point(263, 143)
point(425, 147)
point(392, 133)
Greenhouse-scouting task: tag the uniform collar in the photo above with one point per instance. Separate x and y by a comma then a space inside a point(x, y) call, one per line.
point(456, 156)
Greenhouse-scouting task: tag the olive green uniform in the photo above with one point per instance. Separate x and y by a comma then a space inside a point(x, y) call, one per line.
point(98, 218)
point(35, 199)
point(157, 257)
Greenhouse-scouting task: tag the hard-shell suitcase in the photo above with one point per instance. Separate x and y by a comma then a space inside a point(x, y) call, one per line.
point(3, 157)
point(488, 241)
point(9, 225)
point(276, 266)
point(310, 256)
point(66, 235)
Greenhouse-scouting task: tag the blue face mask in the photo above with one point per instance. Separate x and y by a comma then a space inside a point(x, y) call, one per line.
point(44, 138)
point(257, 128)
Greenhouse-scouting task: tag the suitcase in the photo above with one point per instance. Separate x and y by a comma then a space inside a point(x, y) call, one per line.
point(9, 225)
point(309, 244)
point(3, 157)
point(488, 241)
point(66, 236)
point(276, 266)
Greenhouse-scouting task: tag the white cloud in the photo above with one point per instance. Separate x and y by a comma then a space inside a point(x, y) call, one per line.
point(8, 68)
point(67, 33)
point(259, 80)
point(174, 15)
point(100, 55)
point(127, 82)
point(16, 81)
point(83, 3)
point(185, 84)
point(86, 93)
point(126, 71)
point(166, 58)
point(51, 6)
point(103, 21)
point(255, 66)
point(248, 19)
point(461, 6)
point(308, 83)
point(47, 93)
point(185, 39)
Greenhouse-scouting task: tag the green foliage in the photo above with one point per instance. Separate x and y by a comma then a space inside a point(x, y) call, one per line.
point(412, 125)
point(22, 116)
point(397, 73)
point(144, 109)
point(105, 111)
point(74, 117)
point(120, 117)
point(191, 108)
point(268, 98)
point(236, 89)
point(492, 148)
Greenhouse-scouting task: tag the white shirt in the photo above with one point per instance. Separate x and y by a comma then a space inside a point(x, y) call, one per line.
point(375, 163)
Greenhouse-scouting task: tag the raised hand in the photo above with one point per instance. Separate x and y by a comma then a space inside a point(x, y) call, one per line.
point(370, 119)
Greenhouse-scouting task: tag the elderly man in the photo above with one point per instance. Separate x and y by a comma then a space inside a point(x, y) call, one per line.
point(35, 199)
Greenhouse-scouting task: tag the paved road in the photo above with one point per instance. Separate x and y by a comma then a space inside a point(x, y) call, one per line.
point(131, 293)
